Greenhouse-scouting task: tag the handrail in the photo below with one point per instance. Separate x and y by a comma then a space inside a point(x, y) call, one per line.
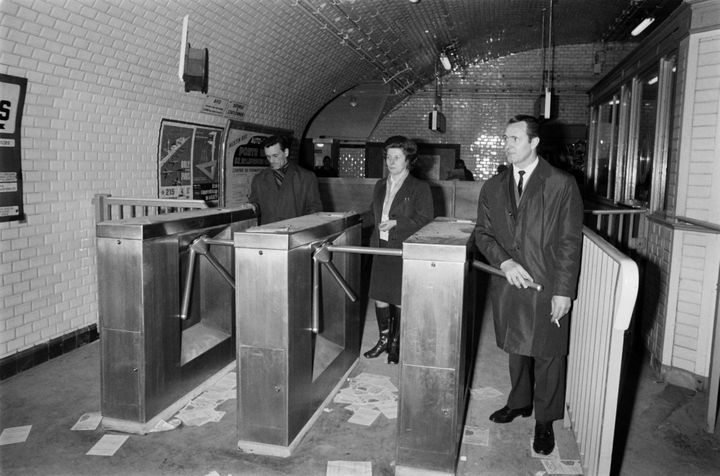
point(618, 211)
point(625, 228)
point(104, 204)
point(700, 223)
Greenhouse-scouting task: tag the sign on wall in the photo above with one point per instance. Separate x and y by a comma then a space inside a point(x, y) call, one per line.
point(188, 161)
point(12, 99)
point(244, 157)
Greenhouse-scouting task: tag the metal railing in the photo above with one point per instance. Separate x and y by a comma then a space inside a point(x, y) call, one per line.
point(624, 228)
point(108, 207)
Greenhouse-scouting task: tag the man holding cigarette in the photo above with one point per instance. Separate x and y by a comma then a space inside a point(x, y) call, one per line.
point(530, 226)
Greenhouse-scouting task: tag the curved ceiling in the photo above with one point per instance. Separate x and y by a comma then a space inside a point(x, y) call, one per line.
point(403, 39)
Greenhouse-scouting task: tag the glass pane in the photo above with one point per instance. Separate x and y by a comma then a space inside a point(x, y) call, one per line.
point(669, 87)
point(351, 162)
point(614, 161)
point(603, 147)
point(622, 130)
point(646, 138)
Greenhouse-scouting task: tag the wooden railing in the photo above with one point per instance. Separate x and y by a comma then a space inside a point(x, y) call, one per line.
point(607, 290)
point(108, 207)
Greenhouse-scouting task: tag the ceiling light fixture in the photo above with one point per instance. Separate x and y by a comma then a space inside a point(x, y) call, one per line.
point(642, 25)
point(445, 61)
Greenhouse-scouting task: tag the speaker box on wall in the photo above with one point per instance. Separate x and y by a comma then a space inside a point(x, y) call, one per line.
point(196, 70)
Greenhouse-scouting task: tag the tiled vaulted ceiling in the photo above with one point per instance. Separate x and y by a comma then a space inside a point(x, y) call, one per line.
point(402, 39)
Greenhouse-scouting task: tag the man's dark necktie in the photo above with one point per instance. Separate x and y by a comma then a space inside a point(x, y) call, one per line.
point(279, 177)
point(520, 182)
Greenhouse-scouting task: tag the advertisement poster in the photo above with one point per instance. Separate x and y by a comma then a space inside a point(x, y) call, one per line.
point(244, 157)
point(188, 161)
point(12, 99)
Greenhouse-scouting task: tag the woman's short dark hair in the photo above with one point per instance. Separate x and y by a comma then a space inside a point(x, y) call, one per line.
point(272, 140)
point(408, 147)
point(532, 125)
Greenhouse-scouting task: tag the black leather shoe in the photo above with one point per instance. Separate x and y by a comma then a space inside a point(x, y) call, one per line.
point(544, 441)
point(379, 348)
point(394, 351)
point(507, 414)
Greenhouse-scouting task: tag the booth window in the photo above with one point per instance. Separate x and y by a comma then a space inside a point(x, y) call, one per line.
point(643, 140)
point(629, 135)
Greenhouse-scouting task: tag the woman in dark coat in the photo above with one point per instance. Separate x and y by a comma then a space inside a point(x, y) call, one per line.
point(402, 204)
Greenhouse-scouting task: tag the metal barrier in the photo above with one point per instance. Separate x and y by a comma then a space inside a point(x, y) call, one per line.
point(437, 351)
point(298, 332)
point(607, 290)
point(108, 207)
point(155, 357)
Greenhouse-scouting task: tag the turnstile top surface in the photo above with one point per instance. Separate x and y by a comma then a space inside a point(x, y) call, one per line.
point(155, 226)
point(294, 232)
point(443, 239)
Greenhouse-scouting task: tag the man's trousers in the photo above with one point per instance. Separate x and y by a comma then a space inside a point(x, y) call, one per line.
point(538, 381)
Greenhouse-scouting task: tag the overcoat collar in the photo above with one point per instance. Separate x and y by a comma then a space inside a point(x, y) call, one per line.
point(403, 191)
point(532, 186)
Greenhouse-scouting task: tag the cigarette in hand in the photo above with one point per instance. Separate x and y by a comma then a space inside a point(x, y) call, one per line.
point(556, 322)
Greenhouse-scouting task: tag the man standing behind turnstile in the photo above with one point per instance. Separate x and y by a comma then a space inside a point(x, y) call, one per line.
point(530, 226)
point(285, 190)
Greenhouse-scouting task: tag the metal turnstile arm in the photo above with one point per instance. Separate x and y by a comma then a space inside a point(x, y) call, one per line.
point(497, 272)
point(200, 247)
point(322, 255)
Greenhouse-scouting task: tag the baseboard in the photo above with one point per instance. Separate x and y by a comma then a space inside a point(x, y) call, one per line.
point(684, 378)
point(28, 358)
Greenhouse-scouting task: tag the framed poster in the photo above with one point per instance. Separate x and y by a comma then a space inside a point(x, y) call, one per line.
point(188, 161)
point(12, 100)
point(244, 156)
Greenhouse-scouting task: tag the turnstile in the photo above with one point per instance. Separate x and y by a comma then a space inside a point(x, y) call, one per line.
point(291, 356)
point(152, 361)
point(437, 346)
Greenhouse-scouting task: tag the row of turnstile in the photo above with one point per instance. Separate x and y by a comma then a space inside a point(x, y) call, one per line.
point(184, 297)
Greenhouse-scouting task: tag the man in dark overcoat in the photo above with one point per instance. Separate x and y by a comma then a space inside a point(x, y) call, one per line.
point(285, 190)
point(529, 225)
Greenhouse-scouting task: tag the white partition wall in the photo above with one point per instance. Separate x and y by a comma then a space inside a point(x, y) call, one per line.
point(607, 290)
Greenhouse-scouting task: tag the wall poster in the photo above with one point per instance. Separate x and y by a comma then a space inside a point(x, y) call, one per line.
point(188, 161)
point(244, 157)
point(12, 99)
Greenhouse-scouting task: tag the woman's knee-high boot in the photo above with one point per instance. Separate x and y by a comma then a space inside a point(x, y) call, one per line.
point(394, 345)
point(382, 315)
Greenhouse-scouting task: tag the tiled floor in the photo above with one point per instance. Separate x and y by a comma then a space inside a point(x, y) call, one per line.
point(665, 429)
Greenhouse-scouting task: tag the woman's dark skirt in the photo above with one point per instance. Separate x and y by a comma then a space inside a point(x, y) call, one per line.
point(386, 278)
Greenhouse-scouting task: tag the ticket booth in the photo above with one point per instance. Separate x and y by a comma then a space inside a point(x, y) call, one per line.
point(298, 326)
point(165, 313)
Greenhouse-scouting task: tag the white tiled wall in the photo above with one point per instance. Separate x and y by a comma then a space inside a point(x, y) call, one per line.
point(101, 77)
point(478, 102)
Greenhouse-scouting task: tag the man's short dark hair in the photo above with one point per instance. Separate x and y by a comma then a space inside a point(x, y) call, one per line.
point(280, 140)
point(408, 147)
point(532, 127)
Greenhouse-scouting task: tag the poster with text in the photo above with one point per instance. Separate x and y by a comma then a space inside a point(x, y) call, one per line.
point(244, 157)
point(12, 99)
point(188, 161)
